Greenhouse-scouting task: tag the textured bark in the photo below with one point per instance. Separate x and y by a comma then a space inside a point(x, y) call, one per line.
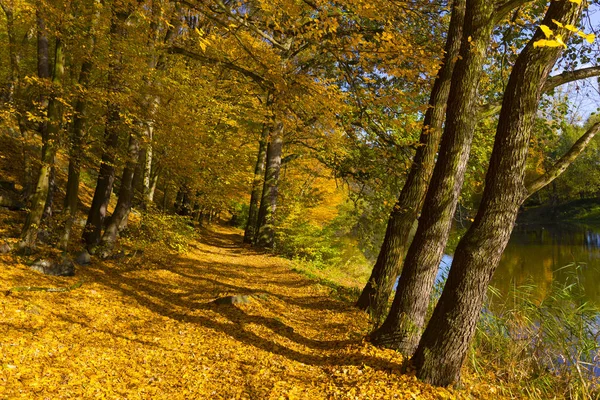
point(76, 139)
point(75, 154)
point(125, 200)
point(38, 201)
point(106, 175)
point(402, 328)
point(105, 181)
point(268, 204)
point(375, 296)
point(43, 69)
point(445, 342)
point(259, 173)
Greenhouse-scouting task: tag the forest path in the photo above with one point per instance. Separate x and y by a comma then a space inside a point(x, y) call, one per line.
point(146, 327)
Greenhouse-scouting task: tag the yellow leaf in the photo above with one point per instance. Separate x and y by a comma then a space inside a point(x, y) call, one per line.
point(547, 31)
point(575, 1)
point(589, 37)
point(547, 43)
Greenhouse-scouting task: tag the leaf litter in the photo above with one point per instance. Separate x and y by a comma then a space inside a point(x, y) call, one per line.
point(147, 328)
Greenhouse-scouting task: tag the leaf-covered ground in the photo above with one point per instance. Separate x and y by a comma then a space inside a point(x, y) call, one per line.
point(144, 326)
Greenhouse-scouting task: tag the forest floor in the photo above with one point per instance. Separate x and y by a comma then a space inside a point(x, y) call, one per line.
point(146, 327)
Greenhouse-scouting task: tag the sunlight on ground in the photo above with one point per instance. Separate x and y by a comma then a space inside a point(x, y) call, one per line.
point(138, 329)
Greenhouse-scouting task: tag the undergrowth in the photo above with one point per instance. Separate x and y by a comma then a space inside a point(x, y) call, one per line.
point(541, 349)
point(173, 232)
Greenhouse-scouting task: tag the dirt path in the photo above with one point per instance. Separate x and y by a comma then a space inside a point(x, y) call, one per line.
point(140, 328)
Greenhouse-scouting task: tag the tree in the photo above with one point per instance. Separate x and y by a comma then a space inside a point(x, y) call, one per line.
point(445, 341)
point(402, 327)
point(375, 295)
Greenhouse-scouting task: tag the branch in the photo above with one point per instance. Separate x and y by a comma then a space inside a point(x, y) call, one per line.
point(489, 109)
point(227, 64)
point(42, 289)
point(570, 76)
point(507, 6)
point(561, 165)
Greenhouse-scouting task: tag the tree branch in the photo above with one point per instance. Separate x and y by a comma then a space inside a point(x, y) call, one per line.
point(489, 109)
point(561, 165)
point(227, 64)
point(570, 76)
point(504, 7)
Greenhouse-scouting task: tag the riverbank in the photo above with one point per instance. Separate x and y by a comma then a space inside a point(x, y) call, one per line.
point(582, 210)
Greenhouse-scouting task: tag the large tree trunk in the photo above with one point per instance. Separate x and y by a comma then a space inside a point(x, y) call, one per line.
point(402, 328)
point(106, 175)
point(259, 173)
point(123, 206)
point(375, 296)
point(268, 204)
point(445, 342)
point(38, 201)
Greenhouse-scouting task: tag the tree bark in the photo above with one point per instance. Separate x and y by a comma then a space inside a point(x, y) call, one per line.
point(123, 206)
point(375, 296)
point(76, 139)
point(106, 175)
point(445, 341)
point(259, 173)
point(14, 95)
point(38, 201)
point(402, 328)
point(75, 154)
point(268, 204)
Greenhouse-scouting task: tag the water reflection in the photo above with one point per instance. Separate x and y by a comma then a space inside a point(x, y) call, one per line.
point(559, 253)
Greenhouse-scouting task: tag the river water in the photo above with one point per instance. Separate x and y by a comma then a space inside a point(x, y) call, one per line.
point(543, 255)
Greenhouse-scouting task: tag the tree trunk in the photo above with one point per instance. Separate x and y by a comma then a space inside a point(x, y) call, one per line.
point(445, 342)
point(375, 296)
point(38, 202)
point(123, 206)
point(43, 68)
point(104, 184)
point(259, 173)
point(76, 152)
point(268, 204)
point(76, 139)
point(106, 175)
point(402, 328)
point(14, 95)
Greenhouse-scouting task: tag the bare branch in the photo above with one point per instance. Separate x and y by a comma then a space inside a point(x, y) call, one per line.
point(561, 165)
point(570, 76)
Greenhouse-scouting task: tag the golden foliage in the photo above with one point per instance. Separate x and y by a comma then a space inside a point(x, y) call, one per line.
point(140, 329)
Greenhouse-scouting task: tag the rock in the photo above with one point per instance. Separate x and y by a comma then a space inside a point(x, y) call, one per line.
point(42, 266)
point(5, 248)
point(47, 267)
point(239, 299)
point(83, 258)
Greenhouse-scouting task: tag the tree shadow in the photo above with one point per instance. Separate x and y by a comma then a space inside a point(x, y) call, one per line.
point(188, 299)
